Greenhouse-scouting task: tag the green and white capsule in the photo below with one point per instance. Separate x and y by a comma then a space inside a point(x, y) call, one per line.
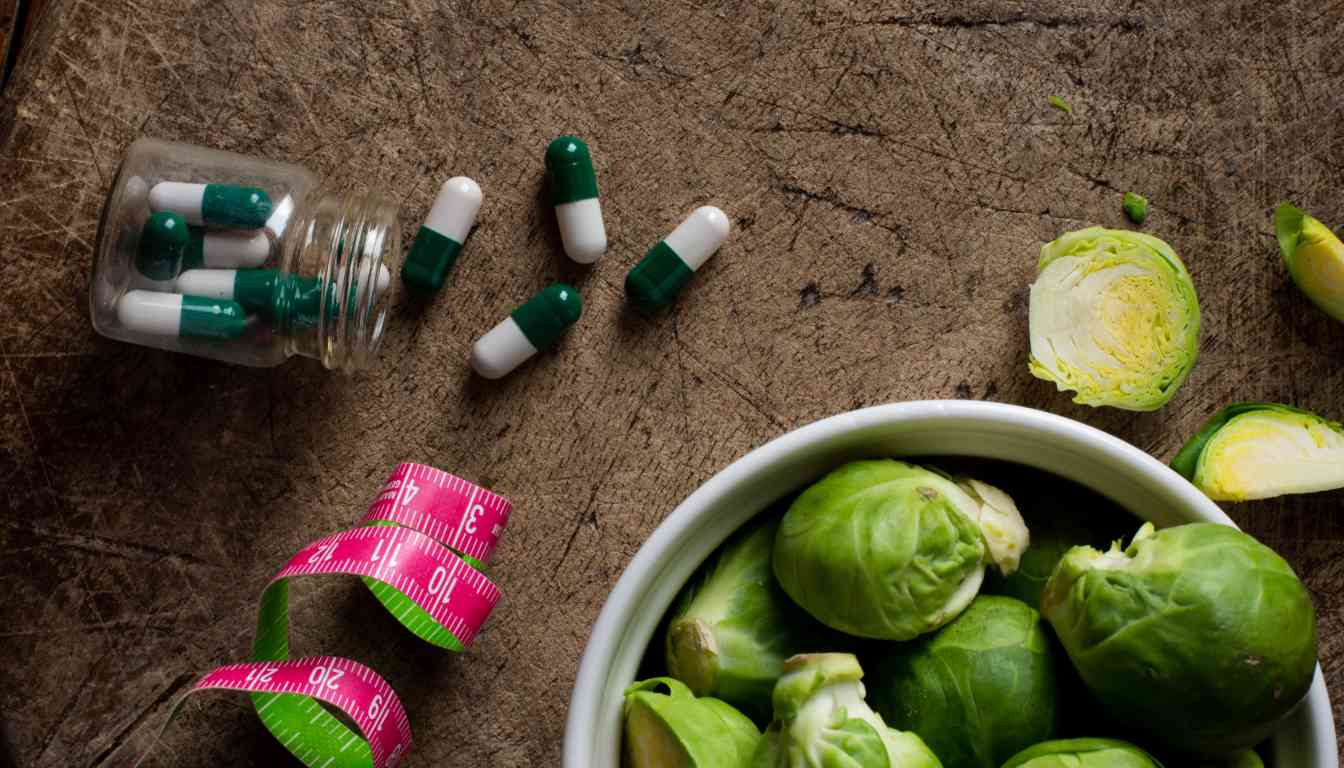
point(668, 266)
point(254, 289)
point(440, 238)
point(218, 205)
point(172, 314)
point(569, 172)
point(163, 245)
point(534, 326)
point(226, 249)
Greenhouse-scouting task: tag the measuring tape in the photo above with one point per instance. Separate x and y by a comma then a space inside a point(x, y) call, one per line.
point(418, 550)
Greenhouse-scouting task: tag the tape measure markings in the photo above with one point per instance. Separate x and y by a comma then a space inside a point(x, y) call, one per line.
point(460, 515)
point(405, 555)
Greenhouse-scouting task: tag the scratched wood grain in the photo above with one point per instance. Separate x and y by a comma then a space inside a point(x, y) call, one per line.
point(890, 172)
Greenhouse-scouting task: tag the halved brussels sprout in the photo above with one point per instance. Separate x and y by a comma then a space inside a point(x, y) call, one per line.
point(1083, 753)
point(979, 690)
point(733, 626)
point(1261, 450)
point(677, 730)
point(1315, 258)
point(884, 550)
point(1198, 636)
point(1113, 317)
point(822, 721)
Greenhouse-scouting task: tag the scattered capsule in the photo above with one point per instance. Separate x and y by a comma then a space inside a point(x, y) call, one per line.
point(569, 172)
point(163, 245)
point(172, 314)
point(218, 205)
point(254, 289)
point(441, 236)
point(667, 267)
point(226, 249)
point(534, 326)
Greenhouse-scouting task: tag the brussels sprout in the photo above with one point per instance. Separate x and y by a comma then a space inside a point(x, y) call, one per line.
point(1315, 258)
point(822, 721)
point(1198, 636)
point(733, 626)
point(883, 549)
point(1083, 753)
point(677, 730)
point(1113, 317)
point(1261, 450)
point(979, 690)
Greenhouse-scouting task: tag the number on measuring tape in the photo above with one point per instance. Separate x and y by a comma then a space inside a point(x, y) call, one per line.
point(409, 489)
point(377, 713)
point(324, 553)
point(441, 584)
point(472, 514)
point(387, 554)
point(325, 677)
point(260, 675)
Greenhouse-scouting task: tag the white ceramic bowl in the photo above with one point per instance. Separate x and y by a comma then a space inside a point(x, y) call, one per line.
point(1088, 456)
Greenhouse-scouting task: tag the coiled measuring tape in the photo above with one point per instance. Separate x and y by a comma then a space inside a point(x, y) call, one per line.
point(418, 550)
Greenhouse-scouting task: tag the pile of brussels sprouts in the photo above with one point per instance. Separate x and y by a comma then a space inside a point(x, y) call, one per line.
point(986, 645)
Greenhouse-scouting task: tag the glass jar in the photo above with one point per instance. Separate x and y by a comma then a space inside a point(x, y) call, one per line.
point(241, 259)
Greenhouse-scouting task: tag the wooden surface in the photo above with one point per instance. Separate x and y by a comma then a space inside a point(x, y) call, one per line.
point(891, 174)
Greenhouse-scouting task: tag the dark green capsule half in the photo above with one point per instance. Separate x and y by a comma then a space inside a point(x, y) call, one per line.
point(544, 318)
point(163, 246)
point(431, 256)
point(657, 278)
point(255, 288)
point(194, 258)
point(211, 318)
point(242, 207)
point(297, 300)
point(569, 171)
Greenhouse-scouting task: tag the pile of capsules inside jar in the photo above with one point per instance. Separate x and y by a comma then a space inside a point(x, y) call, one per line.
point(243, 260)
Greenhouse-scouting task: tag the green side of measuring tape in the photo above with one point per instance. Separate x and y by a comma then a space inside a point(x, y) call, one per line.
point(291, 717)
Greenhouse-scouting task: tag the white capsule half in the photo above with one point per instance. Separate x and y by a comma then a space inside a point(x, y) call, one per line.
point(179, 197)
point(699, 236)
point(500, 350)
point(581, 229)
point(455, 209)
point(210, 283)
point(151, 312)
point(234, 249)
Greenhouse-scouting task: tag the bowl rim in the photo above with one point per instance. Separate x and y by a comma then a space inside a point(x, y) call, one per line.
point(1312, 722)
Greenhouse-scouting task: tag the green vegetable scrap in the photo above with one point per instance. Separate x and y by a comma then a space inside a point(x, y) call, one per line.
point(1113, 317)
point(888, 550)
point(822, 721)
point(1083, 753)
point(1135, 207)
point(677, 730)
point(1244, 759)
point(1262, 450)
point(1314, 256)
point(733, 626)
point(1197, 636)
point(1061, 105)
point(978, 691)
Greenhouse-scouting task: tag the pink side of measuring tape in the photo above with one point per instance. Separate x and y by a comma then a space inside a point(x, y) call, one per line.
point(434, 510)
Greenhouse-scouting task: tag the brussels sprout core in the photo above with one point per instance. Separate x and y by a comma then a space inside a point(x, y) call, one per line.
point(1314, 256)
point(1113, 317)
point(1262, 450)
